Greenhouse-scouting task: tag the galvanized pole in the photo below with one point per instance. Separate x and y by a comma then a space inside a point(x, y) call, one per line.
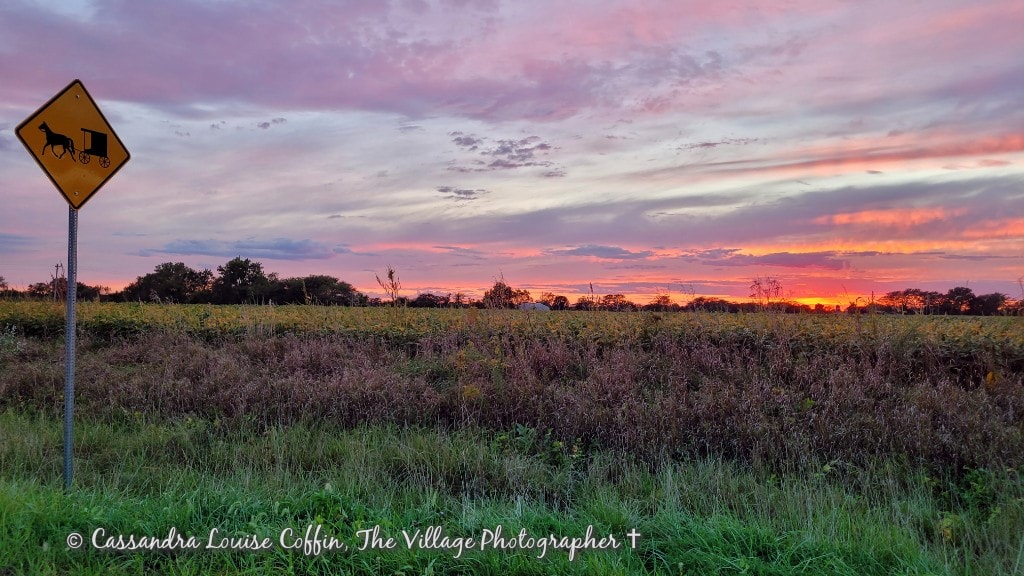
point(69, 345)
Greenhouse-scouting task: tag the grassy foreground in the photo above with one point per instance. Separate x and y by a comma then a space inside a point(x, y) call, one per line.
point(702, 517)
point(731, 444)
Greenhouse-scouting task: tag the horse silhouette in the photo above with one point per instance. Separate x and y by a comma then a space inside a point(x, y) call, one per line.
point(54, 139)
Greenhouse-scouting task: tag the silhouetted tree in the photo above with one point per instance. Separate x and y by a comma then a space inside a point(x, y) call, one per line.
point(706, 304)
point(313, 289)
point(45, 290)
point(584, 303)
point(6, 291)
point(958, 300)
point(615, 302)
point(170, 281)
point(86, 292)
point(555, 302)
point(1014, 307)
point(988, 304)
point(240, 280)
point(661, 303)
point(501, 295)
point(41, 289)
point(430, 301)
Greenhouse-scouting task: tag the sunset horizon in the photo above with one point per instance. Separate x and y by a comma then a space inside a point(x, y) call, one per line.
point(643, 149)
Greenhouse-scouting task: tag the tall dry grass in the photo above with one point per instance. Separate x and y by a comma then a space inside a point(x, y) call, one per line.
point(771, 395)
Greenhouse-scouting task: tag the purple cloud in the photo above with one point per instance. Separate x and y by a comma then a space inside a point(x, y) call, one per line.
point(274, 249)
point(505, 154)
point(602, 252)
point(265, 125)
point(15, 243)
point(732, 257)
point(452, 193)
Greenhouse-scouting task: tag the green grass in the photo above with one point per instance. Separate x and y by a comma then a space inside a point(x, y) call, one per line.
point(142, 477)
point(733, 444)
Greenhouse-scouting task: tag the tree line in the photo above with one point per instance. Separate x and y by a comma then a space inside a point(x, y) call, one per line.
point(959, 300)
point(239, 281)
point(242, 280)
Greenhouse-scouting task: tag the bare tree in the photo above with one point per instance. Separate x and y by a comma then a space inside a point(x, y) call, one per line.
point(688, 289)
point(391, 285)
point(766, 291)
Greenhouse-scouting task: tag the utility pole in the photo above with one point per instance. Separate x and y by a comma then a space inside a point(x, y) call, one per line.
point(58, 274)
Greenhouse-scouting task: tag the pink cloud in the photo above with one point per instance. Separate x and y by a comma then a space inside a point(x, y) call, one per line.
point(1010, 228)
point(897, 218)
point(864, 156)
point(721, 102)
point(419, 58)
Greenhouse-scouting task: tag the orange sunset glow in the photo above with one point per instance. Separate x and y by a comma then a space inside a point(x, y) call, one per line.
point(648, 149)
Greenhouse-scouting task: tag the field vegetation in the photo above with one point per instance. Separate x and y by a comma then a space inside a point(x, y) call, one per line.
point(735, 443)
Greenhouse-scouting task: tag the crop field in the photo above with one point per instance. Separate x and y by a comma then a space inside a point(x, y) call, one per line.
point(726, 443)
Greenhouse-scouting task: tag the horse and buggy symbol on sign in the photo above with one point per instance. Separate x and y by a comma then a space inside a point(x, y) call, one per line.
point(71, 126)
point(94, 143)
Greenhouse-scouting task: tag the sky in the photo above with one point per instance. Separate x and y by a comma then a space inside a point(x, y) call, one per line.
point(683, 147)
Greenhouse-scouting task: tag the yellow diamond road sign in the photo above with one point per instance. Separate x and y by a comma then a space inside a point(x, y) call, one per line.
point(73, 143)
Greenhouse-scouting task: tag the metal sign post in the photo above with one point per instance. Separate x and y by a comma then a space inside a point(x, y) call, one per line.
point(70, 167)
point(69, 346)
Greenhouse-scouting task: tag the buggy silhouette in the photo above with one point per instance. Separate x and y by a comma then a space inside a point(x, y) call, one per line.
point(95, 145)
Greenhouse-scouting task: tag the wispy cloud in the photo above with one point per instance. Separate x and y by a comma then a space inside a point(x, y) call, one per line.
point(14, 243)
point(274, 249)
point(733, 257)
point(453, 193)
point(267, 124)
point(602, 252)
point(502, 154)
